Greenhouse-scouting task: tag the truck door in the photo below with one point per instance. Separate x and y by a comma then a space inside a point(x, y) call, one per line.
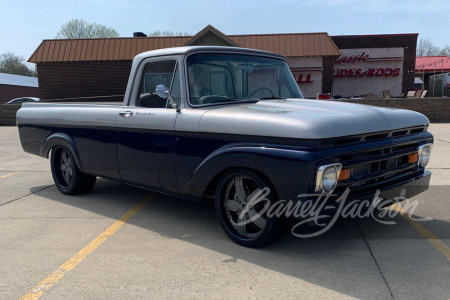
point(146, 129)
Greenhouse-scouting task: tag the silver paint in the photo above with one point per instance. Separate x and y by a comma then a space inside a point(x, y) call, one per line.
point(306, 119)
point(291, 118)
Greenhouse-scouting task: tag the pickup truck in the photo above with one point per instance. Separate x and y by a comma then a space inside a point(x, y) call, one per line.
point(225, 123)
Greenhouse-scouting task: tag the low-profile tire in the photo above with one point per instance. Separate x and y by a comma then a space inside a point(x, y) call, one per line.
point(66, 175)
point(246, 224)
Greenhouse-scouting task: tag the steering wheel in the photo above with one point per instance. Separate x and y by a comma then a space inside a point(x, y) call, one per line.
point(261, 89)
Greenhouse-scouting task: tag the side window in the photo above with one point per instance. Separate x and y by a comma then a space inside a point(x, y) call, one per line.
point(156, 73)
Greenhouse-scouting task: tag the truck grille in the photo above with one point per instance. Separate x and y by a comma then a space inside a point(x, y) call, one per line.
point(372, 167)
point(344, 141)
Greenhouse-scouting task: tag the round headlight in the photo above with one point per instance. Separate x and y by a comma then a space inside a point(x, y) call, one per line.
point(425, 156)
point(329, 179)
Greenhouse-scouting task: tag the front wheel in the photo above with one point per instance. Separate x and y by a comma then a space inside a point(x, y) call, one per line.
point(66, 175)
point(243, 198)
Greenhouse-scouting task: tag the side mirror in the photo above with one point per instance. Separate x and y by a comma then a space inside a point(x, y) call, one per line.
point(164, 93)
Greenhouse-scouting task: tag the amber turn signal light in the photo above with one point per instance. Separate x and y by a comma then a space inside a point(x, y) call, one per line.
point(345, 174)
point(412, 158)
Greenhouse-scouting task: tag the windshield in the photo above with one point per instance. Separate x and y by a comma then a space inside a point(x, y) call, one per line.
point(215, 78)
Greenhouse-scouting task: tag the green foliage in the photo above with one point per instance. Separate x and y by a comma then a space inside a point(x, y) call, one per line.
point(78, 28)
point(13, 64)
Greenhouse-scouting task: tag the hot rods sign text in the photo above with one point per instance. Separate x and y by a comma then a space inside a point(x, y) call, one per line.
point(357, 71)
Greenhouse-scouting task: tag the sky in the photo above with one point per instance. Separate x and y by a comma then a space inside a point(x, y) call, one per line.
point(24, 24)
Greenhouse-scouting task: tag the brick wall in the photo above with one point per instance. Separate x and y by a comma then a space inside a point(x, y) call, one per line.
point(8, 114)
point(9, 92)
point(407, 41)
point(436, 109)
point(327, 74)
point(82, 79)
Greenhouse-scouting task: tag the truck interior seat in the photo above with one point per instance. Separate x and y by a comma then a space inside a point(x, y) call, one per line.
point(152, 101)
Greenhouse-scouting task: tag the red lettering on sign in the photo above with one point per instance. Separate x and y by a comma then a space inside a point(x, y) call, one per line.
point(359, 73)
point(353, 73)
point(307, 80)
point(388, 72)
point(379, 73)
point(351, 59)
point(396, 72)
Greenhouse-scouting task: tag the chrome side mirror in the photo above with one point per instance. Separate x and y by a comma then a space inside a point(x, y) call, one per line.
point(164, 93)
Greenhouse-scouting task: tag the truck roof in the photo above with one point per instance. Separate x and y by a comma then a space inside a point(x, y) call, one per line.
point(192, 49)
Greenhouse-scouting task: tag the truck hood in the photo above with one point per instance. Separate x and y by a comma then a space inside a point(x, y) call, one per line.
point(306, 119)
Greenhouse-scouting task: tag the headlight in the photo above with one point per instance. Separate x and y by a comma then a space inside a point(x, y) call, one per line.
point(424, 154)
point(327, 178)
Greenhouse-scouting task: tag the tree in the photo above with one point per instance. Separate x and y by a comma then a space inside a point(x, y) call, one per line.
point(78, 28)
point(426, 48)
point(168, 33)
point(445, 51)
point(13, 64)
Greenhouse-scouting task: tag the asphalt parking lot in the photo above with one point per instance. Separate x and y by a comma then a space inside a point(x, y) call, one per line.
point(122, 242)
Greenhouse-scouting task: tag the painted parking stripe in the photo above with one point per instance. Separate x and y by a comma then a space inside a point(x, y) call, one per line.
point(439, 244)
point(11, 174)
point(62, 270)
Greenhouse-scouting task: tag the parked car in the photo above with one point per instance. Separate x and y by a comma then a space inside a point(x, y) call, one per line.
point(225, 123)
point(22, 100)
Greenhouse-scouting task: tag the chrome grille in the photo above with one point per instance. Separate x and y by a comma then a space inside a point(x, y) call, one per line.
point(376, 165)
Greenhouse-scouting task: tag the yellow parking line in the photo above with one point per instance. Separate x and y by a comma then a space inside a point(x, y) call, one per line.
point(440, 245)
point(11, 174)
point(62, 270)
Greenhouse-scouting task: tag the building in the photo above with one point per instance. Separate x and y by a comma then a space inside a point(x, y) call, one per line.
point(16, 86)
point(374, 63)
point(427, 66)
point(100, 67)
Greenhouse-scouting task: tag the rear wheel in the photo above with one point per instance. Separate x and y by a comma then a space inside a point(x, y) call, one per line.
point(242, 200)
point(66, 175)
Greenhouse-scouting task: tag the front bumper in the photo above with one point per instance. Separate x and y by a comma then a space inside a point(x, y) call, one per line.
point(399, 191)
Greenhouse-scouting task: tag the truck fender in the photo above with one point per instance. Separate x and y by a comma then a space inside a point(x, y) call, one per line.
point(267, 161)
point(60, 139)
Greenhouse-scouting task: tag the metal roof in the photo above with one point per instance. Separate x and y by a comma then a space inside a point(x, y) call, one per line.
point(71, 50)
point(432, 63)
point(11, 79)
point(290, 44)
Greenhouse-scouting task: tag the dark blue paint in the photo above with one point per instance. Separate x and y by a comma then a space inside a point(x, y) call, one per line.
point(183, 164)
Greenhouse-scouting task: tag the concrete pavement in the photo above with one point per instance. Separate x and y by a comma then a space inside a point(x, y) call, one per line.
point(176, 249)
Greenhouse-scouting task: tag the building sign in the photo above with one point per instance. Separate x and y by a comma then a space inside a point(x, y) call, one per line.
point(371, 70)
point(303, 78)
point(307, 72)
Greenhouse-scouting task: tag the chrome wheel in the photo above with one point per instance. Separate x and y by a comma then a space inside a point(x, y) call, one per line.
point(243, 199)
point(66, 167)
point(245, 213)
point(68, 178)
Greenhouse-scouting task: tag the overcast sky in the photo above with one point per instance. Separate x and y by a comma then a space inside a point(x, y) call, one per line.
point(25, 23)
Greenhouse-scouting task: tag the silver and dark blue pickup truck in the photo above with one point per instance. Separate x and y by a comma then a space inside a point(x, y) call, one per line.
point(225, 123)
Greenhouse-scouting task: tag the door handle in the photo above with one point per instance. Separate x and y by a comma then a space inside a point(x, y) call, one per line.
point(126, 113)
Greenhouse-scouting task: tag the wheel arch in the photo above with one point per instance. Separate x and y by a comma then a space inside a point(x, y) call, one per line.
point(60, 139)
point(212, 185)
point(274, 165)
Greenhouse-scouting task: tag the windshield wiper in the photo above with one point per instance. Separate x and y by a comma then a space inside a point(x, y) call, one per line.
point(269, 98)
point(234, 100)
